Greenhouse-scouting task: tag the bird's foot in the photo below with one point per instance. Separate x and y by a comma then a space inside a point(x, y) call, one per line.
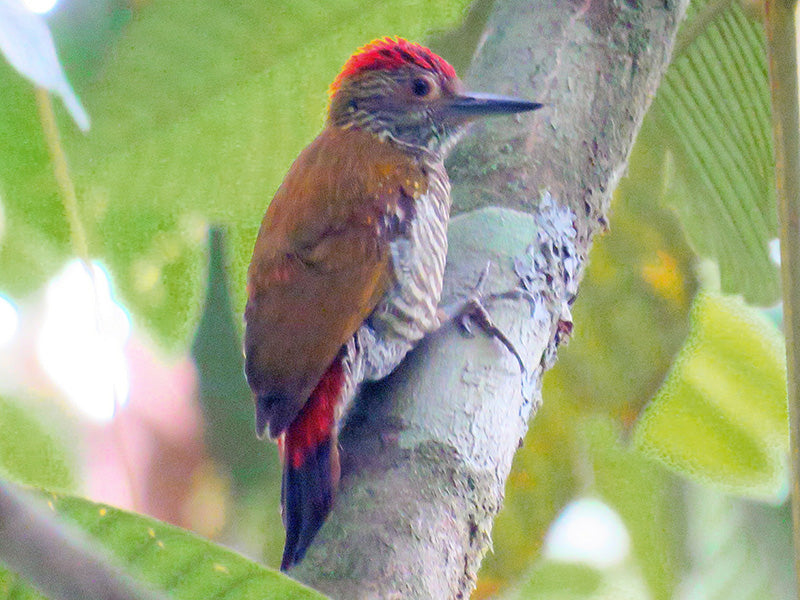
point(472, 310)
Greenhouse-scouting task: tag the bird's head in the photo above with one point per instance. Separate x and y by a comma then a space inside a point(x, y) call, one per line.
point(404, 92)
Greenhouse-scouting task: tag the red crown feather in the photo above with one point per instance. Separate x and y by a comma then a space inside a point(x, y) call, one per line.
point(390, 54)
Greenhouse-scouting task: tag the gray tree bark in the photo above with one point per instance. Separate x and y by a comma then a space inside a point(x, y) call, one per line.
point(426, 456)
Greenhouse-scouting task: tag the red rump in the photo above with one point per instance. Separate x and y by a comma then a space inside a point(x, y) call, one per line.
point(314, 423)
point(388, 53)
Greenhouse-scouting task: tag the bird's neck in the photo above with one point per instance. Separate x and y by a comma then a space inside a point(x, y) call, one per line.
point(421, 140)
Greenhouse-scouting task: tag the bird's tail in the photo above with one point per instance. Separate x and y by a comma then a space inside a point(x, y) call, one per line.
point(310, 465)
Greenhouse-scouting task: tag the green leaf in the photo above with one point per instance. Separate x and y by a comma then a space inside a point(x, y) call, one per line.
point(710, 130)
point(167, 557)
point(721, 415)
point(32, 450)
point(13, 587)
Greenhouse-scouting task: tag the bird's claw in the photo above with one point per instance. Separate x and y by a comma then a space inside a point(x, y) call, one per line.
point(465, 324)
point(472, 310)
point(475, 312)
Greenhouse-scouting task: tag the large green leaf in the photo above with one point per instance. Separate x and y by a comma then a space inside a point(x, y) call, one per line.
point(710, 134)
point(721, 414)
point(166, 557)
point(196, 117)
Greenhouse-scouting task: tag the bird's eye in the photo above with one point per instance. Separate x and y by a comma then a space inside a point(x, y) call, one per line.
point(421, 87)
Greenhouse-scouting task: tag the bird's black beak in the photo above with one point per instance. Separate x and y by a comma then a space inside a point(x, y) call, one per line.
point(467, 106)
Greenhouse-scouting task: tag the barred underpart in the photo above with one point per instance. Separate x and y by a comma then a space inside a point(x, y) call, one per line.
point(410, 309)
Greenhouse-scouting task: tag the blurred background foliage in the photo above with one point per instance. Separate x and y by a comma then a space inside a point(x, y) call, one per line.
point(667, 407)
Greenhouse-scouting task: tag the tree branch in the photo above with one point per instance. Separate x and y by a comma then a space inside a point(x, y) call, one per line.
point(426, 456)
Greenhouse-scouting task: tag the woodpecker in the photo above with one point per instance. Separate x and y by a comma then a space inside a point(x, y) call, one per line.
point(347, 269)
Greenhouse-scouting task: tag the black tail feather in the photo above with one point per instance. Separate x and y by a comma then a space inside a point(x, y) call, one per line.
point(306, 496)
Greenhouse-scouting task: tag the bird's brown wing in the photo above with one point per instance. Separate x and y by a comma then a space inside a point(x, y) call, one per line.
point(321, 263)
